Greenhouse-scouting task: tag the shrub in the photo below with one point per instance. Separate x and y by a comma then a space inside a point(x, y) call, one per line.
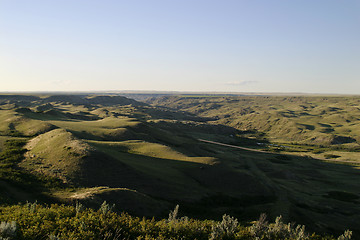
point(31, 206)
point(346, 235)
point(173, 214)
point(106, 208)
point(53, 237)
point(79, 208)
point(8, 230)
point(225, 229)
point(261, 229)
point(65, 222)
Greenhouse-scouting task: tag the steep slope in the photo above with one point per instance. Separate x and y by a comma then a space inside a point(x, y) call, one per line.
point(56, 153)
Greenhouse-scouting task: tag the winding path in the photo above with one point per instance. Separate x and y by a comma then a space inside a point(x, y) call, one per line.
point(261, 151)
point(233, 146)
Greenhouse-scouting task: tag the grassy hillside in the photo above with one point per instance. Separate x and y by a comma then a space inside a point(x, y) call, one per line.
point(147, 159)
point(331, 123)
point(56, 153)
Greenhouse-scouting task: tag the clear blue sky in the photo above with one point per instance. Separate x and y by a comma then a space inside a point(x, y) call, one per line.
point(308, 46)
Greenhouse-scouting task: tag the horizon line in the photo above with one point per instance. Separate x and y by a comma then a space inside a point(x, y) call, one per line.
point(174, 92)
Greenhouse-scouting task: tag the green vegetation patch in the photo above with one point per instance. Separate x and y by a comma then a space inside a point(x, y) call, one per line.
point(110, 128)
point(34, 221)
point(161, 151)
point(56, 153)
point(16, 181)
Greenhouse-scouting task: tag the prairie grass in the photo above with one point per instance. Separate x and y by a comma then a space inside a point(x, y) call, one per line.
point(147, 159)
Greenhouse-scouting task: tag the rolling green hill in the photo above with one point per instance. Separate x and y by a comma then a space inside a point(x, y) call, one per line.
point(331, 123)
point(146, 159)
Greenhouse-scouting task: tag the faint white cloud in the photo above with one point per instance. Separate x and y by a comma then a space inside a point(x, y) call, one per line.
point(61, 82)
point(241, 83)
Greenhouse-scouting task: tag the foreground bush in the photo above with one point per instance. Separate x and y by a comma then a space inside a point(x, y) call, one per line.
point(34, 221)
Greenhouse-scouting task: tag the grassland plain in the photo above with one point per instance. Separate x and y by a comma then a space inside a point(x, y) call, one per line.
point(147, 159)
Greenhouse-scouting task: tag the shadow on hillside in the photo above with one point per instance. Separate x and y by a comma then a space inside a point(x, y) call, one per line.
point(55, 114)
point(176, 181)
point(321, 194)
point(166, 113)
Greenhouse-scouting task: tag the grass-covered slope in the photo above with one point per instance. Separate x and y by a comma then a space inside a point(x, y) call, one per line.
point(147, 159)
point(13, 123)
point(313, 120)
point(56, 153)
point(329, 125)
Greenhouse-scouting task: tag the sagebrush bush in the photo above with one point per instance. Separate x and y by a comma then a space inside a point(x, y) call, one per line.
point(53, 237)
point(35, 221)
point(8, 230)
point(261, 229)
point(104, 208)
point(346, 235)
point(79, 208)
point(224, 229)
point(173, 214)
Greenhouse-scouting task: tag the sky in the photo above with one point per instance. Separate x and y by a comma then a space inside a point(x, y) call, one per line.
point(309, 46)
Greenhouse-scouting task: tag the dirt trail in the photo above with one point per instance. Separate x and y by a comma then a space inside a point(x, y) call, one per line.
point(233, 146)
point(261, 151)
